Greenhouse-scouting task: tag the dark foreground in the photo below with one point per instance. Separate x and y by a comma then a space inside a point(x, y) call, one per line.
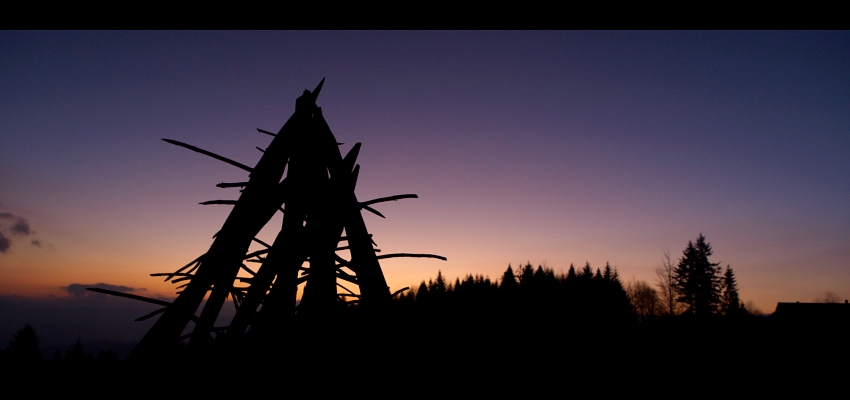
point(424, 349)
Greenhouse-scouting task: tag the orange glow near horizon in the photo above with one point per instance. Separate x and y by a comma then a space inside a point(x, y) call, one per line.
point(553, 148)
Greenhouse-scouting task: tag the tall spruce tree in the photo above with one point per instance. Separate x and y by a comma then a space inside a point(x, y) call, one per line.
point(508, 279)
point(731, 303)
point(698, 280)
point(23, 349)
point(572, 273)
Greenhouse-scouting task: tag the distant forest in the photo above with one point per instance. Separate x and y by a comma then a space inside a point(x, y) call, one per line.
point(530, 314)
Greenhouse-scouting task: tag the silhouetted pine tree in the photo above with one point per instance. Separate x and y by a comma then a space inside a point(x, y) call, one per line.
point(422, 293)
point(586, 272)
point(76, 356)
point(23, 349)
point(607, 272)
point(437, 288)
point(508, 282)
point(731, 302)
point(697, 279)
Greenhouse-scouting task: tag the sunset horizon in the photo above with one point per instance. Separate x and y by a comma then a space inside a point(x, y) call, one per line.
point(553, 149)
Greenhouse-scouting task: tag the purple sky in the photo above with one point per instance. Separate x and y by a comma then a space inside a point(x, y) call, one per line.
point(548, 147)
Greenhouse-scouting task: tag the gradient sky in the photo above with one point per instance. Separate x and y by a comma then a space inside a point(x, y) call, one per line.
point(548, 147)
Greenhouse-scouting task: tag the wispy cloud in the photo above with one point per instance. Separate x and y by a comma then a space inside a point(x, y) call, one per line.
point(20, 228)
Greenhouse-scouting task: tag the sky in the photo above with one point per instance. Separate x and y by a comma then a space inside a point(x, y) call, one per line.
point(553, 148)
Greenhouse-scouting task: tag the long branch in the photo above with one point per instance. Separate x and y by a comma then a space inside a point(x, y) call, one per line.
point(211, 154)
point(130, 296)
point(394, 255)
point(389, 198)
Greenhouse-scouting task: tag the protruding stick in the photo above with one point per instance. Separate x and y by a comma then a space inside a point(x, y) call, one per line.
point(225, 202)
point(265, 131)
point(130, 296)
point(390, 198)
point(351, 158)
point(318, 89)
point(346, 277)
point(173, 274)
point(147, 316)
point(256, 253)
point(373, 211)
point(245, 267)
point(195, 261)
point(262, 243)
point(231, 184)
point(347, 289)
point(211, 154)
point(394, 255)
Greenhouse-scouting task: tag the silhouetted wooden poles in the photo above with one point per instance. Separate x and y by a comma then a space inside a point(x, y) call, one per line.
point(364, 263)
point(284, 259)
point(320, 204)
point(262, 197)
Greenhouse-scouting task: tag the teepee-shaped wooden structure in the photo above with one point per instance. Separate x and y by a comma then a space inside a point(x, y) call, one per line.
point(319, 205)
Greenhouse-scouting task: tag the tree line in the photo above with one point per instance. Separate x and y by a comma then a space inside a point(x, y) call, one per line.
point(24, 351)
point(523, 302)
point(693, 286)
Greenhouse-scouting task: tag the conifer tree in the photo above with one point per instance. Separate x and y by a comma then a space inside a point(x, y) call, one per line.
point(508, 279)
point(586, 271)
point(438, 286)
point(76, 355)
point(23, 348)
point(731, 302)
point(571, 274)
point(698, 280)
point(422, 292)
point(607, 272)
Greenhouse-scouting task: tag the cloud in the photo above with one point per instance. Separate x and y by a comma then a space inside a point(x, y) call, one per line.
point(79, 289)
point(5, 243)
point(21, 227)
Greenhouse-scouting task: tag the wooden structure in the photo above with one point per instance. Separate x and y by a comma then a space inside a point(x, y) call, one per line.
point(321, 215)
